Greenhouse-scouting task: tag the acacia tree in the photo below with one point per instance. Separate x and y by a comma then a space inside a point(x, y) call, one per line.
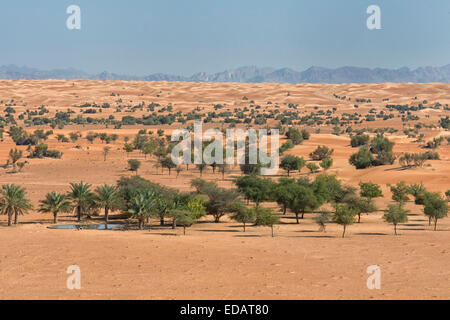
point(282, 194)
point(435, 208)
point(321, 153)
point(400, 192)
point(322, 220)
point(292, 163)
point(326, 163)
point(255, 188)
point(166, 162)
point(360, 205)
point(13, 201)
point(370, 190)
point(220, 201)
point(312, 167)
point(302, 199)
point(55, 203)
point(188, 212)
point(266, 217)
point(395, 215)
point(344, 215)
point(244, 216)
point(107, 196)
point(134, 165)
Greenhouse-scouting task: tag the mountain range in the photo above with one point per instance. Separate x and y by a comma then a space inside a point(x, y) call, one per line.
point(251, 74)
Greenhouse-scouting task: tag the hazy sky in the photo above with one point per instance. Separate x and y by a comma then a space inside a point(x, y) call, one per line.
point(140, 37)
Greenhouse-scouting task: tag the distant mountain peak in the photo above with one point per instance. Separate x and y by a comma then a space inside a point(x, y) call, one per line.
point(251, 74)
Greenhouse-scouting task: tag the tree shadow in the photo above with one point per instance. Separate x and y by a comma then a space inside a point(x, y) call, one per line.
point(371, 234)
point(324, 236)
point(248, 236)
point(218, 230)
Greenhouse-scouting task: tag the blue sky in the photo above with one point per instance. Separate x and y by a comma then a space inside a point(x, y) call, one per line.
point(140, 37)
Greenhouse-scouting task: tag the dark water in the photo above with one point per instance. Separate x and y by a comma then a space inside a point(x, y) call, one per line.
point(88, 227)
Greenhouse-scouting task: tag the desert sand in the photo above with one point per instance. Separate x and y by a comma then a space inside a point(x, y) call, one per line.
point(219, 261)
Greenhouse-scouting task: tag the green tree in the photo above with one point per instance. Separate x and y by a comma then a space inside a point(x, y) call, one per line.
point(400, 192)
point(292, 163)
point(321, 153)
point(312, 167)
point(362, 159)
point(295, 136)
point(359, 205)
point(322, 220)
point(244, 216)
point(220, 201)
point(436, 208)
point(13, 201)
point(302, 199)
point(326, 163)
point(134, 165)
point(55, 203)
point(167, 162)
point(255, 188)
point(395, 215)
point(344, 216)
point(266, 217)
point(282, 194)
point(128, 147)
point(370, 190)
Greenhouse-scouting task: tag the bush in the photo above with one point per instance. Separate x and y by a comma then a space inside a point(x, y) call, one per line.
point(321, 152)
point(362, 159)
point(41, 151)
point(359, 140)
point(295, 136)
point(134, 164)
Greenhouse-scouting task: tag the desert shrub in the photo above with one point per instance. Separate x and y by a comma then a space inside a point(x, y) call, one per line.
point(286, 146)
point(41, 151)
point(362, 159)
point(321, 152)
point(295, 136)
point(359, 140)
point(445, 122)
point(435, 143)
point(326, 163)
point(134, 165)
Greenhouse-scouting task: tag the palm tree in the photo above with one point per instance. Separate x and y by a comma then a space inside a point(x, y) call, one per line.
point(81, 196)
point(107, 196)
point(142, 205)
point(55, 203)
point(13, 201)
